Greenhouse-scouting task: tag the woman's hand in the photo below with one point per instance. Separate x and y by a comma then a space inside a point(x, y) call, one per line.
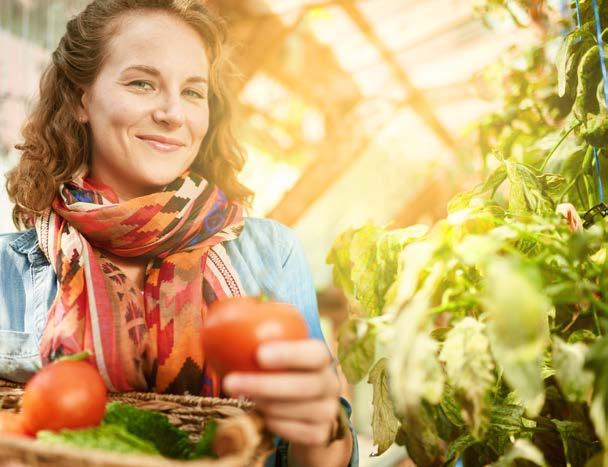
point(299, 399)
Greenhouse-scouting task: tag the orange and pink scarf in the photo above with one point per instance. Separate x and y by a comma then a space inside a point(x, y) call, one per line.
point(149, 341)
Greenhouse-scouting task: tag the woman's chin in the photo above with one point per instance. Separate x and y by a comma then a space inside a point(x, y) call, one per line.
point(144, 188)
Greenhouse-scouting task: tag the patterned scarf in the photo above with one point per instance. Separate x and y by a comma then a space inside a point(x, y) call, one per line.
point(149, 341)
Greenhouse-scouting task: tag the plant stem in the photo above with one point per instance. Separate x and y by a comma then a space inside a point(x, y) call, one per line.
point(561, 140)
point(590, 191)
point(536, 430)
point(580, 192)
point(597, 323)
point(599, 304)
point(570, 185)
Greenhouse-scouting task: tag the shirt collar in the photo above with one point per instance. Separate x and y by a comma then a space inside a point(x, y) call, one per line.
point(27, 244)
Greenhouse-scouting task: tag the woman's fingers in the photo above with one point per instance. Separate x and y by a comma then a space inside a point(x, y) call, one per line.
point(299, 399)
point(290, 386)
point(300, 432)
point(316, 411)
point(309, 354)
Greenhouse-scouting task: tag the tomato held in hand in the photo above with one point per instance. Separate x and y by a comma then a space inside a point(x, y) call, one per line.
point(235, 327)
point(11, 423)
point(64, 394)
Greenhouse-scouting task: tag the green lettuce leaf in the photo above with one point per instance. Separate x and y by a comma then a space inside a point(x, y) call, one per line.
point(108, 436)
point(150, 426)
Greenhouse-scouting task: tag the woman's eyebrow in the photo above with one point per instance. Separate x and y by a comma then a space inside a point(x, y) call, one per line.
point(153, 71)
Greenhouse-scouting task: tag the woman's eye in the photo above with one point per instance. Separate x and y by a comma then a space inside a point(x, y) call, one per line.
point(140, 84)
point(195, 93)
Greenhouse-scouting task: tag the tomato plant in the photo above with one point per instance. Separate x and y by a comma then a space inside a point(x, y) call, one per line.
point(235, 327)
point(64, 394)
point(485, 336)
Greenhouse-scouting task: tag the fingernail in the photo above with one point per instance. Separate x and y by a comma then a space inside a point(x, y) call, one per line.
point(265, 354)
point(231, 383)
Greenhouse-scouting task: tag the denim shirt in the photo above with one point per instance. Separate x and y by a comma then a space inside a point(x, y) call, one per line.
point(267, 256)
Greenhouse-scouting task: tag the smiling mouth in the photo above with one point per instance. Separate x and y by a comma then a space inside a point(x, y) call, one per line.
point(163, 147)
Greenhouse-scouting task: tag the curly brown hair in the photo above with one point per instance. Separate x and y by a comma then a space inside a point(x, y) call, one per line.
point(56, 144)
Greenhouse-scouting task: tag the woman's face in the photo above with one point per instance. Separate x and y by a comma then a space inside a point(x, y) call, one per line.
point(148, 109)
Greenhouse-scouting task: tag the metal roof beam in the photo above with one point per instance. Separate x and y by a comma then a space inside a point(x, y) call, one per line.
point(338, 153)
point(416, 97)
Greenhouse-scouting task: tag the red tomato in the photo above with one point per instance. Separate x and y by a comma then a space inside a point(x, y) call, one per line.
point(235, 327)
point(64, 394)
point(11, 423)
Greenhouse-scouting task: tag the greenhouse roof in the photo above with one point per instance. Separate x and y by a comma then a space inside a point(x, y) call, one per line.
point(347, 106)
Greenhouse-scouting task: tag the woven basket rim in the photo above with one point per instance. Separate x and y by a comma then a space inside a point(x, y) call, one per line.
point(27, 449)
point(36, 448)
point(186, 399)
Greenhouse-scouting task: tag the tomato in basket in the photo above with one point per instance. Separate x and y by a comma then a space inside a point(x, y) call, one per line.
point(11, 423)
point(235, 327)
point(65, 394)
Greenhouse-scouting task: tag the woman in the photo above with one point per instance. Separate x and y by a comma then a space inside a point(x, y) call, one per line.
point(128, 186)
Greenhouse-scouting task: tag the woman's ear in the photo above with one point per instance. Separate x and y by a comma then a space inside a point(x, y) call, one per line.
point(83, 108)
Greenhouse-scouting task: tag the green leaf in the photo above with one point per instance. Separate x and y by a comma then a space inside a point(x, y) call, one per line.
point(567, 159)
point(596, 362)
point(521, 450)
point(365, 272)
point(547, 370)
point(506, 424)
point(356, 348)
point(384, 422)
point(415, 372)
point(425, 377)
point(568, 360)
point(552, 184)
point(595, 129)
point(587, 14)
point(475, 249)
point(451, 408)
point(150, 426)
point(463, 200)
point(568, 56)
point(582, 335)
point(526, 195)
point(469, 367)
point(390, 259)
point(339, 257)
point(204, 447)
point(579, 444)
point(518, 327)
point(367, 262)
point(589, 75)
point(597, 413)
point(459, 445)
point(506, 419)
point(418, 433)
point(414, 258)
point(109, 437)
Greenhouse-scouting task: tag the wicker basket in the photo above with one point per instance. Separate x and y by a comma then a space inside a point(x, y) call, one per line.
point(188, 413)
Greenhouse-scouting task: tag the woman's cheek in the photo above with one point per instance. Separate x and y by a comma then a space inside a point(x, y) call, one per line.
point(130, 111)
point(200, 124)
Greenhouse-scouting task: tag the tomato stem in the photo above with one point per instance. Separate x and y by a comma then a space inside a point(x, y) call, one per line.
point(76, 356)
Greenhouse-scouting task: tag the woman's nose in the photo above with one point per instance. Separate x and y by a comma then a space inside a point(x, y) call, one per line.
point(170, 112)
